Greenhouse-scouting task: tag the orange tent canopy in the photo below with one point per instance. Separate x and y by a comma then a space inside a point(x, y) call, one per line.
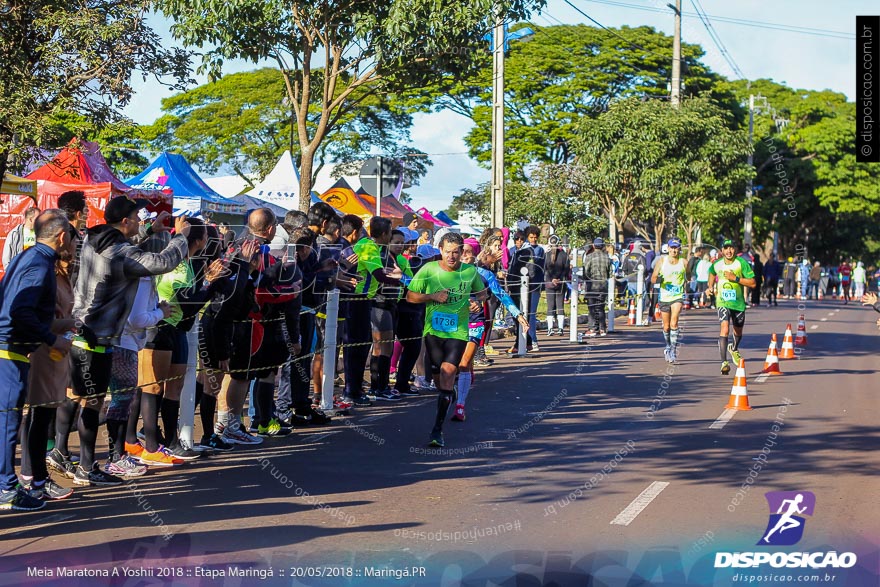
point(343, 198)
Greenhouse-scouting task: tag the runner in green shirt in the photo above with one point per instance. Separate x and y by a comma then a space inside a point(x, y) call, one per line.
point(669, 273)
point(445, 287)
point(731, 274)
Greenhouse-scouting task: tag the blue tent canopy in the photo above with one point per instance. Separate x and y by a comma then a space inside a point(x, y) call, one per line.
point(191, 193)
point(252, 203)
point(445, 218)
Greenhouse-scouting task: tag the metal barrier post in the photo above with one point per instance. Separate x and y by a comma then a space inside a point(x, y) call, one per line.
point(640, 295)
point(611, 292)
point(188, 394)
point(331, 324)
point(575, 295)
point(524, 308)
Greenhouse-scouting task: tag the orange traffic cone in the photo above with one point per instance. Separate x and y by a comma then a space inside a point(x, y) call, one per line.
point(657, 315)
point(739, 393)
point(801, 338)
point(771, 363)
point(631, 319)
point(787, 351)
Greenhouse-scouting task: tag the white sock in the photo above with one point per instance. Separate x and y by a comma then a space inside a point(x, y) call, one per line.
point(561, 319)
point(549, 322)
point(464, 386)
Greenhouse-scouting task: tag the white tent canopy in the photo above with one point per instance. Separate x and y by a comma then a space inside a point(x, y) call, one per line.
point(281, 186)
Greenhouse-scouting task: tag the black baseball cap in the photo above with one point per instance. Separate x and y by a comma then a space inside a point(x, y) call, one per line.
point(408, 218)
point(122, 207)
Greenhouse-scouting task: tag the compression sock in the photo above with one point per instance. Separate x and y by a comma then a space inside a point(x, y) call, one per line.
point(116, 438)
point(465, 378)
point(150, 416)
point(88, 436)
point(560, 320)
point(667, 338)
point(395, 355)
point(65, 420)
point(673, 338)
point(444, 400)
point(384, 363)
point(264, 395)
point(375, 376)
point(207, 405)
point(736, 341)
point(170, 416)
point(134, 414)
point(222, 421)
point(550, 322)
point(722, 347)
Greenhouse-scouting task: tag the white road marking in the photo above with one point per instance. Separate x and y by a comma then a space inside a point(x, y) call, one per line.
point(823, 319)
point(837, 310)
point(722, 420)
point(637, 505)
point(814, 327)
point(762, 378)
point(831, 313)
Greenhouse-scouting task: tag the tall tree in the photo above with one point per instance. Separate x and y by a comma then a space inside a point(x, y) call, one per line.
point(559, 76)
point(58, 56)
point(334, 54)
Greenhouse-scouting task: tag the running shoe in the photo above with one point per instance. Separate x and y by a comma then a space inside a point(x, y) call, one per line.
point(339, 381)
point(239, 436)
point(274, 428)
point(437, 439)
point(422, 384)
point(458, 414)
point(385, 395)
point(341, 404)
point(371, 395)
point(95, 477)
point(62, 464)
point(20, 500)
point(158, 459)
point(410, 391)
point(725, 368)
point(314, 417)
point(734, 354)
point(178, 451)
point(483, 362)
point(216, 443)
point(603, 333)
point(125, 467)
point(49, 490)
point(134, 450)
point(591, 334)
point(393, 391)
point(534, 348)
point(490, 350)
point(360, 401)
point(672, 357)
point(667, 352)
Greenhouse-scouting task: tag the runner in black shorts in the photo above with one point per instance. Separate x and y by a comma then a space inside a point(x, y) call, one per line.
point(727, 277)
point(445, 287)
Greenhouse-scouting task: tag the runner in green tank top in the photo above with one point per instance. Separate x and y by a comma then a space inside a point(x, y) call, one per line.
point(728, 276)
point(669, 273)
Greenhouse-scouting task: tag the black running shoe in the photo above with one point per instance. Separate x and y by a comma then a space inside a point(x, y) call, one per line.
point(95, 478)
point(19, 500)
point(313, 417)
point(408, 391)
point(49, 490)
point(359, 401)
point(437, 439)
point(216, 443)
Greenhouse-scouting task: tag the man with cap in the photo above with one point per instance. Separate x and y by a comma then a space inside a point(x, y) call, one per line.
point(597, 270)
point(669, 277)
point(409, 227)
point(729, 275)
point(110, 269)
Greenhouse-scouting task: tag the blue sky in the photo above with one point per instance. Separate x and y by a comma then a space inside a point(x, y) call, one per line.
point(799, 60)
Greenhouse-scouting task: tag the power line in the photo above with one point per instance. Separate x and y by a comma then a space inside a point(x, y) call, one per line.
point(615, 33)
point(716, 38)
point(741, 21)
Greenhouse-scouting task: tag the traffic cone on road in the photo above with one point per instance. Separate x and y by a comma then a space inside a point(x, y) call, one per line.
point(657, 315)
point(771, 363)
point(739, 393)
point(787, 351)
point(801, 338)
point(631, 319)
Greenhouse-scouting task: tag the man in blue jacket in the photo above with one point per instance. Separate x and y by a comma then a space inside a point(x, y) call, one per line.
point(27, 310)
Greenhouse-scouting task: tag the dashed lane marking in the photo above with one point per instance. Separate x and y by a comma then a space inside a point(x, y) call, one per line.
point(722, 420)
point(814, 327)
point(638, 505)
point(823, 319)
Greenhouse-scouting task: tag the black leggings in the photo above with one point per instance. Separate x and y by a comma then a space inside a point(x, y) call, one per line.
point(409, 325)
point(444, 350)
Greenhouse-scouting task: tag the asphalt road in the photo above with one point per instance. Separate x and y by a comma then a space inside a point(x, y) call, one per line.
point(578, 460)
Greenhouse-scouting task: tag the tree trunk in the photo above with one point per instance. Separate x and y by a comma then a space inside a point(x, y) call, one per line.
point(305, 179)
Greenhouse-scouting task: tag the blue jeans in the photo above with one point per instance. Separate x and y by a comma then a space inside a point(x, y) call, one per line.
point(13, 390)
point(534, 298)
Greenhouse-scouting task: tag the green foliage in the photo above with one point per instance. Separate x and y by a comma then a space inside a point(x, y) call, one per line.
point(336, 54)
point(58, 56)
point(645, 160)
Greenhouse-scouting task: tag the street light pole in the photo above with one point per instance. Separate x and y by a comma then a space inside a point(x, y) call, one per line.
point(747, 213)
point(497, 196)
point(675, 92)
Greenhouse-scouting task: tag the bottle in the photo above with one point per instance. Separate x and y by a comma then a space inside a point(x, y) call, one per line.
point(57, 355)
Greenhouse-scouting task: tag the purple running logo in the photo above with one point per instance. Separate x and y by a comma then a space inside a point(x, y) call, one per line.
point(786, 526)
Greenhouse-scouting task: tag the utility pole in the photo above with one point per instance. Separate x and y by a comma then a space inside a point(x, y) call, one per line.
point(747, 213)
point(675, 92)
point(497, 196)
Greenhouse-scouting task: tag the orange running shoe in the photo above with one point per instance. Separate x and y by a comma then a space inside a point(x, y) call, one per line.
point(158, 459)
point(134, 450)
